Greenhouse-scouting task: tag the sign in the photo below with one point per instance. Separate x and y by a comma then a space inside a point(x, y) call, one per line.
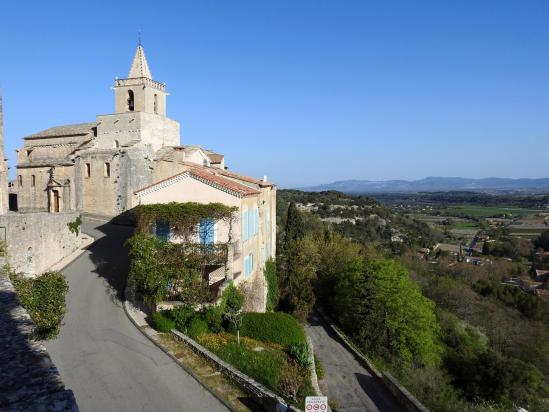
point(316, 404)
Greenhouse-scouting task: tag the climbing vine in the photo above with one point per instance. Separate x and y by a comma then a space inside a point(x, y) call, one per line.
point(183, 218)
point(74, 227)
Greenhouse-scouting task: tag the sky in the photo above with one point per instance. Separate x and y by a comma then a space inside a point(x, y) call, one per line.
point(305, 92)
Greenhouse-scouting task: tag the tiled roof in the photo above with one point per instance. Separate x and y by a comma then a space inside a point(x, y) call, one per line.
point(80, 129)
point(248, 179)
point(215, 157)
point(209, 176)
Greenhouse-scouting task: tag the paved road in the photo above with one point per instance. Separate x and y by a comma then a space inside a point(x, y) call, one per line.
point(346, 381)
point(102, 357)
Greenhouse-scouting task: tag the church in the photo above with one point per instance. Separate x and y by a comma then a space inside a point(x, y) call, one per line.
point(134, 156)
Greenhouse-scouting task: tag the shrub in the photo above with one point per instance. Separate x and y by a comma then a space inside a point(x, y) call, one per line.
point(300, 353)
point(196, 328)
point(182, 316)
point(44, 299)
point(290, 384)
point(161, 322)
point(275, 327)
point(213, 316)
point(318, 368)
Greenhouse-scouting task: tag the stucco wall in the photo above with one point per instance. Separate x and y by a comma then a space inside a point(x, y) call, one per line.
point(36, 241)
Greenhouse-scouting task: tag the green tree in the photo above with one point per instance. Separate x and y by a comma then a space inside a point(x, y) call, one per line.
point(232, 303)
point(387, 314)
point(294, 229)
point(543, 240)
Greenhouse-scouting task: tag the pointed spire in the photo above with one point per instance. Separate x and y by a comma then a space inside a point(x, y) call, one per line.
point(140, 67)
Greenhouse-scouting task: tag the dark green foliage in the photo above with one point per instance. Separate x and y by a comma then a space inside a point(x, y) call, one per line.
point(319, 368)
point(300, 353)
point(511, 247)
point(294, 229)
point(275, 327)
point(74, 227)
point(182, 316)
point(197, 327)
point(232, 299)
point(161, 322)
point(543, 240)
point(272, 284)
point(213, 316)
point(44, 298)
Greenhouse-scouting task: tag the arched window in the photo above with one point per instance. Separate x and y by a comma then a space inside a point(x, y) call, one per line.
point(155, 104)
point(116, 144)
point(33, 180)
point(131, 101)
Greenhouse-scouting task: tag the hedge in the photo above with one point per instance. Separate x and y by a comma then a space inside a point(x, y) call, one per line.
point(44, 299)
point(275, 327)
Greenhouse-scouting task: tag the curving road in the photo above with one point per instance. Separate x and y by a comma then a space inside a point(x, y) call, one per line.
point(102, 357)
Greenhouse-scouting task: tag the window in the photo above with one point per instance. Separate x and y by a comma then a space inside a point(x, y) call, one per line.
point(250, 223)
point(245, 225)
point(88, 170)
point(256, 221)
point(206, 232)
point(162, 230)
point(116, 144)
point(20, 180)
point(131, 101)
point(33, 180)
point(155, 104)
point(107, 171)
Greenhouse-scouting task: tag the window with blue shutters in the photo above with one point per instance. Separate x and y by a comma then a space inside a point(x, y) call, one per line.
point(162, 230)
point(206, 231)
point(250, 223)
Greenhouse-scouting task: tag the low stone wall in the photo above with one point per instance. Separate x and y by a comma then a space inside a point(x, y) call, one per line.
point(270, 401)
point(29, 381)
point(36, 241)
point(405, 398)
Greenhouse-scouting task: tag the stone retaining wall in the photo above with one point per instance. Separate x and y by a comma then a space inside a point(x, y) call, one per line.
point(270, 401)
point(29, 380)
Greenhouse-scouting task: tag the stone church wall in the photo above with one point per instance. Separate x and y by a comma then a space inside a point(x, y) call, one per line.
point(36, 241)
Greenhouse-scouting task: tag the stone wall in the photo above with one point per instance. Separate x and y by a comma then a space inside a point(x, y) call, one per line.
point(29, 380)
point(36, 241)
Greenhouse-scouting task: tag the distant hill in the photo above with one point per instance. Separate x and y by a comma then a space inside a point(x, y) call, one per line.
point(433, 184)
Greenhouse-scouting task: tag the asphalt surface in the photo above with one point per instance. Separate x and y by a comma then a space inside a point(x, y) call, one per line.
point(102, 357)
point(346, 381)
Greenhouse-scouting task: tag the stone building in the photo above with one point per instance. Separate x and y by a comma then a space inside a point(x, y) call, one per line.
point(134, 156)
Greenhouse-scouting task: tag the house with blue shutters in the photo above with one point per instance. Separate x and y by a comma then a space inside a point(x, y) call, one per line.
point(253, 231)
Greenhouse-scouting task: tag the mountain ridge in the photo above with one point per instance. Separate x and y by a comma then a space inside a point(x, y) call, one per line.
point(433, 184)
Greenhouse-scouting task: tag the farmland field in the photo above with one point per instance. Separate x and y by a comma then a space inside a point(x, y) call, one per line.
point(487, 211)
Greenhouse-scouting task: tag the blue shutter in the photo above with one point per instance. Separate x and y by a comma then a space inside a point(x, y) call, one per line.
point(162, 230)
point(206, 231)
point(256, 220)
point(250, 223)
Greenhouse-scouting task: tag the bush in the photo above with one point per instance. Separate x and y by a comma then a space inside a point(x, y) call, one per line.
point(44, 299)
point(213, 316)
point(300, 353)
point(197, 327)
point(161, 322)
point(319, 369)
point(275, 327)
point(182, 316)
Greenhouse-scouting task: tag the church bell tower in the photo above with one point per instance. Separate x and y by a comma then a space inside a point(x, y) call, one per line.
point(139, 92)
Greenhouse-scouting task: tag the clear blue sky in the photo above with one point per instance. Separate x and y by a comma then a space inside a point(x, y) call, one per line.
point(305, 92)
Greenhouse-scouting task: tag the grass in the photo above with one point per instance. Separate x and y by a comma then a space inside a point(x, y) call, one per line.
point(218, 383)
point(466, 225)
point(275, 327)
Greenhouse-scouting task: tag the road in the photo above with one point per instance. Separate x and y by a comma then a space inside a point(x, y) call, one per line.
point(346, 381)
point(102, 357)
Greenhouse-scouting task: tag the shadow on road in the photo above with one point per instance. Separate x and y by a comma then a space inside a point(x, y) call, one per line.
point(109, 254)
point(28, 377)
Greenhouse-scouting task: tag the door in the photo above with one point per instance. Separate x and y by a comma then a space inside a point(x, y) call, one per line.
point(56, 201)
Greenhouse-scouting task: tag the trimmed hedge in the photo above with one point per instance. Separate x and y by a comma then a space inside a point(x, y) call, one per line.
point(197, 327)
point(275, 327)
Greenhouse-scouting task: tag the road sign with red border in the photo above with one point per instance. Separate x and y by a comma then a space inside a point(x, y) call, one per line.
point(316, 404)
